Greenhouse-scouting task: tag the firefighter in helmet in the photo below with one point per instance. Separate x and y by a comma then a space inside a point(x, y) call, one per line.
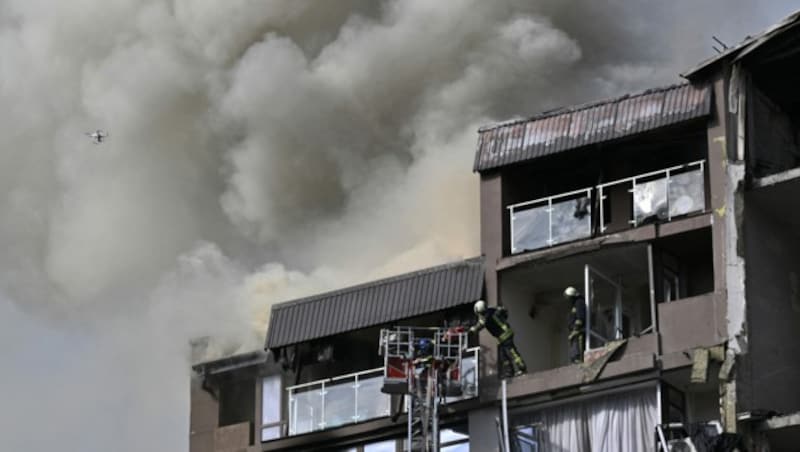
point(495, 320)
point(576, 324)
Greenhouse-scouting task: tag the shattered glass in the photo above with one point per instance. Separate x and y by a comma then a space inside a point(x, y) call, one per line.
point(650, 201)
point(686, 193)
point(658, 200)
point(571, 221)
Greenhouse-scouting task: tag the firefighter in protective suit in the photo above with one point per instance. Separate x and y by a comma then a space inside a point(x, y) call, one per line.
point(495, 321)
point(576, 325)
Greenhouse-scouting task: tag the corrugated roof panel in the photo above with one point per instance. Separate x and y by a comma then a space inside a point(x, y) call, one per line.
point(376, 303)
point(553, 132)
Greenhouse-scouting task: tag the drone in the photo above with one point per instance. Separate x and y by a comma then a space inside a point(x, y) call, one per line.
point(97, 136)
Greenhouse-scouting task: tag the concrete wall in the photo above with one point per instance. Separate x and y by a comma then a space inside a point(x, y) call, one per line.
point(691, 322)
point(773, 310)
point(718, 151)
point(492, 218)
point(232, 438)
point(541, 340)
point(483, 430)
point(203, 419)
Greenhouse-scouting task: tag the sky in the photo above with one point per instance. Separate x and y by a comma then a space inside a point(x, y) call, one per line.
point(260, 151)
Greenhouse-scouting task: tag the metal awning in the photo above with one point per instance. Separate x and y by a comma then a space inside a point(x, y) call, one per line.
point(558, 131)
point(375, 303)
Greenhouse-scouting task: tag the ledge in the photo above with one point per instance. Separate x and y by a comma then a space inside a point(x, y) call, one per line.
point(777, 178)
point(638, 356)
point(644, 233)
point(351, 434)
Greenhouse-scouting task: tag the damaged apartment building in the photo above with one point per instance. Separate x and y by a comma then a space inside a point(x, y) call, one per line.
point(675, 211)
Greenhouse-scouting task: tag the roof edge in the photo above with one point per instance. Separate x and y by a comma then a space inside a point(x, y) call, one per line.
point(377, 282)
point(579, 107)
point(231, 362)
point(746, 46)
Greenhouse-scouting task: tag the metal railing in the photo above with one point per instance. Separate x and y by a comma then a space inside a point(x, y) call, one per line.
point(663, 194)
point(337, 401)
point(564, 217)
point(571, 211)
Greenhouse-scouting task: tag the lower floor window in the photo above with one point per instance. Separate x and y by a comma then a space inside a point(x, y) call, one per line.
point(619, 422)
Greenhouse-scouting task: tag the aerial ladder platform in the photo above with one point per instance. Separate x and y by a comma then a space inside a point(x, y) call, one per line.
point(425, 366)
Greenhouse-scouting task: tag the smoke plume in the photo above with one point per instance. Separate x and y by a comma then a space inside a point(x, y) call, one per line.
point(259, 151)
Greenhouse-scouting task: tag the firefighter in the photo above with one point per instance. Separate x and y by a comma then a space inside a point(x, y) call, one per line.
point(495, 321)
point(424, 352)
point(576, 324)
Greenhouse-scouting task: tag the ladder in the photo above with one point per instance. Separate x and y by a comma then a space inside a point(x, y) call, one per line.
point(426, 378)
point(423, 421)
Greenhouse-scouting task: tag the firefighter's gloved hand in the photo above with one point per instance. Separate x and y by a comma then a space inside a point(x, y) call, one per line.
point(573, 335)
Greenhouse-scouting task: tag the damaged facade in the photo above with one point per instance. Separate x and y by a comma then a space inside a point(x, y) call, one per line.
point(674, 211)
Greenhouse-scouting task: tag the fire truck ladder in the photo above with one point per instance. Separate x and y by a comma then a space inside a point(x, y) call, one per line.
point(425, 377)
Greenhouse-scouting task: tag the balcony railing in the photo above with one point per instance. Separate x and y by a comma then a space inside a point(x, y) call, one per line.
point(659, 195)
point(551, 220)
point(337, 401)
point(663, 194)
point(356, 397)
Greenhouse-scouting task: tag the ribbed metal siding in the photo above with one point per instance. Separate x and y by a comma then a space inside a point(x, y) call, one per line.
point(383, 301)
point(555, 132)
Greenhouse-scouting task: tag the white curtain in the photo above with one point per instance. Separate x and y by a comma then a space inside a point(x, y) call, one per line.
point(563, 429)
point(623, 422)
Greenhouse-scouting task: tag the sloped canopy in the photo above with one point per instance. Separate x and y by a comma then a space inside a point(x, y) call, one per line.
point(375, 303)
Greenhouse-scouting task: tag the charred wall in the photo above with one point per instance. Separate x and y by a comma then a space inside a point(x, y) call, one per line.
point(772, 367)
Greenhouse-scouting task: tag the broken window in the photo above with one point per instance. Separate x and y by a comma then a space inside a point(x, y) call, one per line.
point(686, 193)
point(671, 285)
point(549, 221)
point(683, 265)
point(650, 201)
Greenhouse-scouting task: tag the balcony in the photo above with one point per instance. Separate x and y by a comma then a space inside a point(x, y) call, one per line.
point(356, 397)
point(652, 197)
point(337, 401)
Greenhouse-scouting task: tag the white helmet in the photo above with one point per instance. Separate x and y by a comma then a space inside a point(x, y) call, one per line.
point(480, 307)
point(571, 292)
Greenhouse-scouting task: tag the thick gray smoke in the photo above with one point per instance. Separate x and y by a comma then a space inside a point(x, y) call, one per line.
point(258, 151)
